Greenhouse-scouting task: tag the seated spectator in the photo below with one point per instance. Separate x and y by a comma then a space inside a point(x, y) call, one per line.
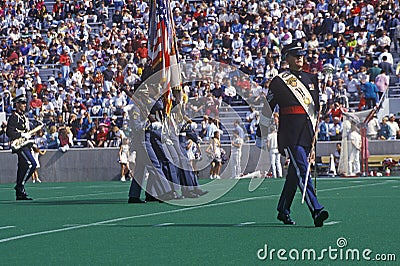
point(335, 129)
point(211, 105)
point(373, 128)
point(47, 109)
point(91, 138)
point(229, 93)
point(65, 136)
point(196, 105)
point(114, 137)
point(41, 140)
point(101, 136)
point(53, 141)
point(4, 141)
point(35, 105)
point(323, 133)
point(353, 87)
point(74, 125)
point(394, 127)
point(384, 131)
point(254, 125)
point(356, 64)
point(336, 110)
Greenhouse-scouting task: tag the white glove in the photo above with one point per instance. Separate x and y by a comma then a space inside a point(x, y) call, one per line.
point(169, 142)
point(26, 135)
point(156, 125)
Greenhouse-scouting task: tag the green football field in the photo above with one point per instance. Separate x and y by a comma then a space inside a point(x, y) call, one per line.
point(91, 224)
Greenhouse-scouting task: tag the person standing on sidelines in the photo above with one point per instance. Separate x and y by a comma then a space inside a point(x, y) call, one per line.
point(297, 94)
point(275, 157)
point(18, 127)
point(236, 154)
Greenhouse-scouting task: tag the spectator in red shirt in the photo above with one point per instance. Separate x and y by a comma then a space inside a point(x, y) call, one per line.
point(101, 137)
point(35, 104)
point(142, 52)
point(336, 111)
point(65, 62)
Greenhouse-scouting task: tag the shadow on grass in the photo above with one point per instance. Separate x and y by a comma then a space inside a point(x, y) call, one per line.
point(210, 225)
point(67, 202)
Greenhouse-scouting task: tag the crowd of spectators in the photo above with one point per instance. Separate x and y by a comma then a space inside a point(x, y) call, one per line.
point(99, 46)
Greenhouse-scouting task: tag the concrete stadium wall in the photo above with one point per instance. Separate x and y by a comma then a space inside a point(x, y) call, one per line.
point(74, 165)
point(376, 147)
point(101, 164)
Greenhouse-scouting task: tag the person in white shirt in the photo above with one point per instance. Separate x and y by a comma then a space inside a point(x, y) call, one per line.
point(384, 41)
point(271, 71)
point(373, 128)
point(236, 154)
point(388, 55)
point(353, 86)
point(394, 127)
point(355, 148)
point(272, 146)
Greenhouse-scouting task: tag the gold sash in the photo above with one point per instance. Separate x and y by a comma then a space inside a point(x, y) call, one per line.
point(301, 93)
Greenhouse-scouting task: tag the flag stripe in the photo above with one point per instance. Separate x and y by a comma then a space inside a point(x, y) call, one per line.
point(162, 48)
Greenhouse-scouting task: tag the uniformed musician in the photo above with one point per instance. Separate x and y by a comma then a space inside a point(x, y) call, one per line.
point(297, 95)
point(18, 127)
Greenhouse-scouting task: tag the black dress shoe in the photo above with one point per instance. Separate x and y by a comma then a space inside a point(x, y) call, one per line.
point(23, 197)
point(319, 218)
point(20, 193)
point(285, 218)
point(199, 191)
point(150, 198)
point(135, 200)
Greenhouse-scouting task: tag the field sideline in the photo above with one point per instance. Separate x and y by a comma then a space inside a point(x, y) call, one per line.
point(90, 223)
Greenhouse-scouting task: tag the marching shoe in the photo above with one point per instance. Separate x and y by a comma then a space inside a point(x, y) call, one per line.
point(21, 194)
point(135, 200)
point(319, 217)
point(150, 198)
point(166, 197)
point(190, 194)
point(285, 218)
point(199, 191)
point(23, 197)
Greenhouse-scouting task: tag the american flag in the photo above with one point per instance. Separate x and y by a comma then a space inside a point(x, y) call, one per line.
point(163, 49)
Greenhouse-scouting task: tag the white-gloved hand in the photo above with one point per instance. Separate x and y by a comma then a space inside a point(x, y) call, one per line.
point(26, 135)
point(156, 125)
point(169, 142)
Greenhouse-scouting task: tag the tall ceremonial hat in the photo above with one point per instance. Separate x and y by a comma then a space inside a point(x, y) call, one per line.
point(295, 49)
point(20, 99)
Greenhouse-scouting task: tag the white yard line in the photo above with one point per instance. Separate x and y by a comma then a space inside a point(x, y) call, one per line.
point(332, 222)
point(163, 224)
point(244, 224)
point(7, 227)
point(166, 212)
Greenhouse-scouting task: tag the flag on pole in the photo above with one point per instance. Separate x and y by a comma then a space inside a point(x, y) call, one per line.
point(163, 49)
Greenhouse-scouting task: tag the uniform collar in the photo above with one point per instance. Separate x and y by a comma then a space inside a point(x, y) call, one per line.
point(295, 72)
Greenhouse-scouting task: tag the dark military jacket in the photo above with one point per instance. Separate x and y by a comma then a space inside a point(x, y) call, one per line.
point(294, 129)
point(17, 124)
